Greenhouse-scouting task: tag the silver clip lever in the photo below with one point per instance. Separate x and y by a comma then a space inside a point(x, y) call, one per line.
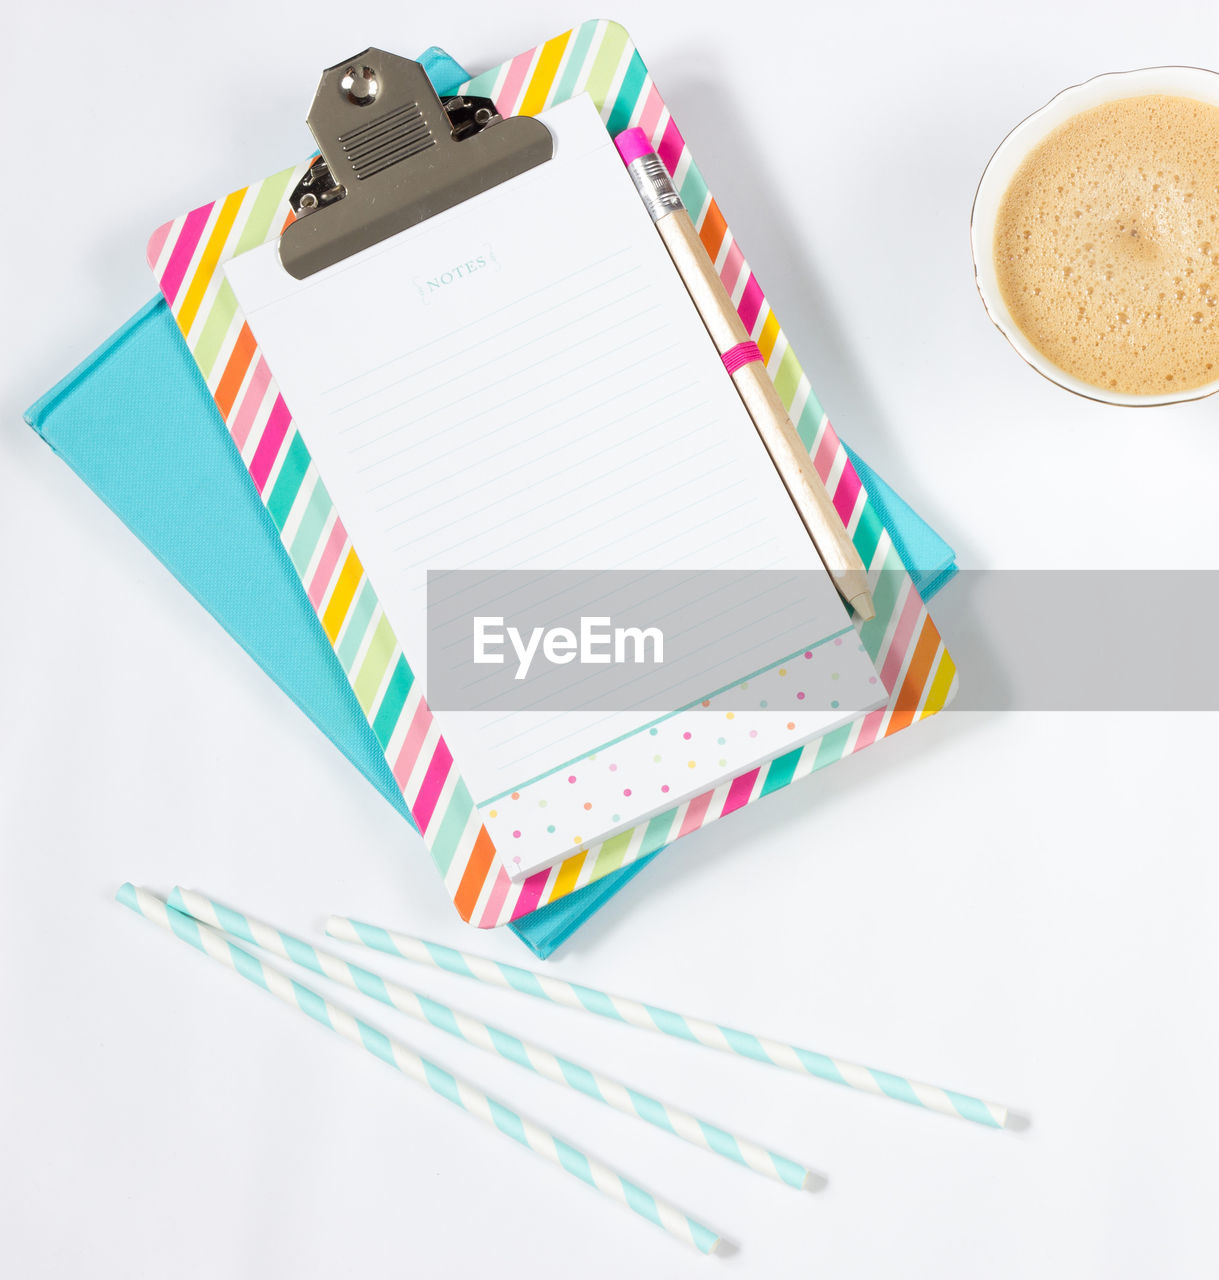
point(467, 116)
point(393, 155)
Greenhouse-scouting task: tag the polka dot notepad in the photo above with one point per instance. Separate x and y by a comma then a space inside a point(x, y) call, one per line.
point(685, 754)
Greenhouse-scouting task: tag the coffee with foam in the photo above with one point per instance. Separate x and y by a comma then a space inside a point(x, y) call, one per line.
point(1107, 245)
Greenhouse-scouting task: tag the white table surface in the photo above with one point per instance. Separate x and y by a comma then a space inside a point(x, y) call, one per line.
point(1019, 905)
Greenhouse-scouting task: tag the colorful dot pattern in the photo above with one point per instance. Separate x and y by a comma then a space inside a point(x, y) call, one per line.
point(681, 755)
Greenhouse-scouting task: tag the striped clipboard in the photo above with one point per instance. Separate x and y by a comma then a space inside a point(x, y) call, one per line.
point(186, 256)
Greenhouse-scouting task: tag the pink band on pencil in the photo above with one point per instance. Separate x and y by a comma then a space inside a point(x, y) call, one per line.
point(742, 354)
point(631, 144)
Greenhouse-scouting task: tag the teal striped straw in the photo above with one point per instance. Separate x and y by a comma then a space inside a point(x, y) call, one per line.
point(701, 1133)
point(651, 1018)
point(394, 1053)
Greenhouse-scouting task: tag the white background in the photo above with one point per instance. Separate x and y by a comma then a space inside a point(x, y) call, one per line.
point(1016, 905)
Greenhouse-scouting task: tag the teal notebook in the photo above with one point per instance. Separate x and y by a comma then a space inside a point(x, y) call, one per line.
point(136, 422)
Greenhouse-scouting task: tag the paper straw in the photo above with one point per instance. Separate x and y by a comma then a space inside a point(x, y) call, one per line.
point(651, 1018)
point(395, 1054)
point(701, 1133)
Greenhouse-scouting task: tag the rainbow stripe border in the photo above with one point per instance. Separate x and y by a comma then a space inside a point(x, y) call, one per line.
point(186, 255)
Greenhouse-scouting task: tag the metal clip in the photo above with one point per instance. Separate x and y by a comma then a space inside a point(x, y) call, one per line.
point(392, 155)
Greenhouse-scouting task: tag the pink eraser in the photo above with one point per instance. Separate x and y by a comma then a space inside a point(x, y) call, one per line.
point(631, 144)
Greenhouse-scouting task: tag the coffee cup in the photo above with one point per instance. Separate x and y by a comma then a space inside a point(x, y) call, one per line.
point(1180, 82)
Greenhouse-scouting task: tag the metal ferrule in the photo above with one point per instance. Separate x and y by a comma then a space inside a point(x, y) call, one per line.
point(653, 183)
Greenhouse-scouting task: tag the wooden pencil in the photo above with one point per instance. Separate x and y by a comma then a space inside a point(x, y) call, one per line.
point(745, 366)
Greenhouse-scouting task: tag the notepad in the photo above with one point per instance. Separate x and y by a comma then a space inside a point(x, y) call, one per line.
point(522, 382)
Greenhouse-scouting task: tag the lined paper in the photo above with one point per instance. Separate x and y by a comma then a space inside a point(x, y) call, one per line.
point(523, 383)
